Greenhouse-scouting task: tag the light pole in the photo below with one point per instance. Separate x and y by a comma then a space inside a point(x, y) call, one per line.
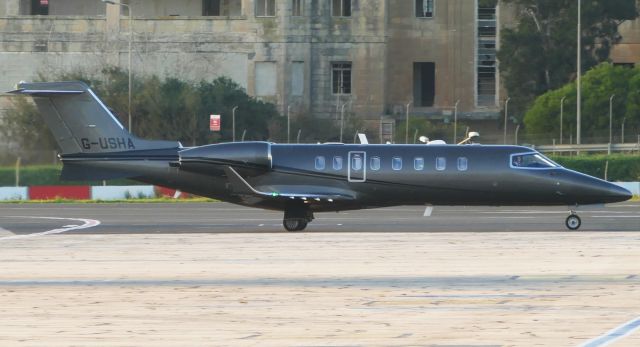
point(561, 115)
point(406, 131)
point(288, 123)
point(611, 119)
point(342, 119)
point(506, 115)
point(622, 134)
point(130, 44)
point(455, 122)
point(578, 74)
point(517, 130)
point(233, 122)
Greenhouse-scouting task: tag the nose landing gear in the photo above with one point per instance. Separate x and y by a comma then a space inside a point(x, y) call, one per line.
point(573, 222)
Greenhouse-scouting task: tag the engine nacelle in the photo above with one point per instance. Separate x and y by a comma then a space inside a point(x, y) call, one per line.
point(247, 154)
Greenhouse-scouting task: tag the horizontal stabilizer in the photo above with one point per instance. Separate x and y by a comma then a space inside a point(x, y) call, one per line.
point(45, 92)
point(240, 186)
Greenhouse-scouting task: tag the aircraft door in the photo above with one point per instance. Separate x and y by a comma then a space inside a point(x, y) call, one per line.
point(357, 169)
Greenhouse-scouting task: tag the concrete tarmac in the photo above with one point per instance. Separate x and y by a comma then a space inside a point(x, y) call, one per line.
point(215, 274)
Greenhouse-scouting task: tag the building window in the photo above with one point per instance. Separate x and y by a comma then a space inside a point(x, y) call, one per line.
point(424, 8)
point(396, 163)
point(418, 163)
point(341, 8)
point(265, 8)
point(463, 164)
point(337, 163)
point(341, 76)
point(39, 7)
point(320, 163)
point(212, 7)
point(375, 163)
point(296, 8)
point(441, 163)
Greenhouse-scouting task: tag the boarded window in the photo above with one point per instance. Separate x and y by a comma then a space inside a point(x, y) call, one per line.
point(341, 77)
point(266, 78)
point(265, 8)
point(296, 8)
point(297, 78)
point(341, 8)
point(424, 8)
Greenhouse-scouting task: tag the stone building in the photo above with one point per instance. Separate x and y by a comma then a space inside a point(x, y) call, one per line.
point(310, 56)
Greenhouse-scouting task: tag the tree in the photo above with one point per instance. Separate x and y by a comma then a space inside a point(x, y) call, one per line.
point(161, 109)
point(542, 121)
point(539, 53)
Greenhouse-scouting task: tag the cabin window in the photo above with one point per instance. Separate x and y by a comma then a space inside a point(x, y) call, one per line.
point(532, 160)
point(396, 163)
point(375, 163)
point(356, 163)
point(441, 163)
point(418, 163)
point(320, 163)
point(337, 163)
point(462, 164)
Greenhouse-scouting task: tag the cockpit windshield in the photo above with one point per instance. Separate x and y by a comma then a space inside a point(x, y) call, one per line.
point(532, 160)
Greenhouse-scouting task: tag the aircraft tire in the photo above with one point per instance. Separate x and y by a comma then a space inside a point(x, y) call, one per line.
point(294, 224)
point(573, 222)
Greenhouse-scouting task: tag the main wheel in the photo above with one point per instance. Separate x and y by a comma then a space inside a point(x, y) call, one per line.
point(573, 222)
point(294, 224)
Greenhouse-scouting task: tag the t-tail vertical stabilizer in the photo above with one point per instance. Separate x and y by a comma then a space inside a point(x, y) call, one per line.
point(80, 122)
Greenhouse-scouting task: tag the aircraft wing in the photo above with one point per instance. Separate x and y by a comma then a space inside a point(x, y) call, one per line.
point(241, 187)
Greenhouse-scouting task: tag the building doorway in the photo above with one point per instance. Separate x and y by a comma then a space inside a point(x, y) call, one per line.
point(424, 84)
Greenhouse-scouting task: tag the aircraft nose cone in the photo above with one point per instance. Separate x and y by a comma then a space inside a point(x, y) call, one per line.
point(616, 193)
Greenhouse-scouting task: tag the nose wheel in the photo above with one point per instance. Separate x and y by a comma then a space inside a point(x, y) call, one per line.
point(573, 222)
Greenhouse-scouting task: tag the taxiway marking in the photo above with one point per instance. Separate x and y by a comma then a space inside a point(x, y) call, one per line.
point(614, 334)
point(88, 223)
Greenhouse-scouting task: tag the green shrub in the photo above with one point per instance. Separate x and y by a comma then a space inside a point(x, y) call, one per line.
point(44, 175)
point(621, 167)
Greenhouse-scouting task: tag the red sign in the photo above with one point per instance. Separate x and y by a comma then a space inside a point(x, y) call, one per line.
point(214, 122)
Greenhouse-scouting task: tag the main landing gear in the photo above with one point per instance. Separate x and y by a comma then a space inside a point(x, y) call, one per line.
point(573, 222)
point(296, 218)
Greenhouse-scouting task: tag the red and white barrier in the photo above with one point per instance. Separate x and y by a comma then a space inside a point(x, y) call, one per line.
point(79, 192)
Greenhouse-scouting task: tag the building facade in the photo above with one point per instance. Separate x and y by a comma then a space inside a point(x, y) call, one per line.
point(374, 57)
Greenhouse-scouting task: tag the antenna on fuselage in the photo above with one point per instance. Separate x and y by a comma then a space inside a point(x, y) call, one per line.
point(470, 138)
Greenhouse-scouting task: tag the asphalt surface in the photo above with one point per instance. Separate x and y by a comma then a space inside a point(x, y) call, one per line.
point(171, 218)
point(214, 274)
